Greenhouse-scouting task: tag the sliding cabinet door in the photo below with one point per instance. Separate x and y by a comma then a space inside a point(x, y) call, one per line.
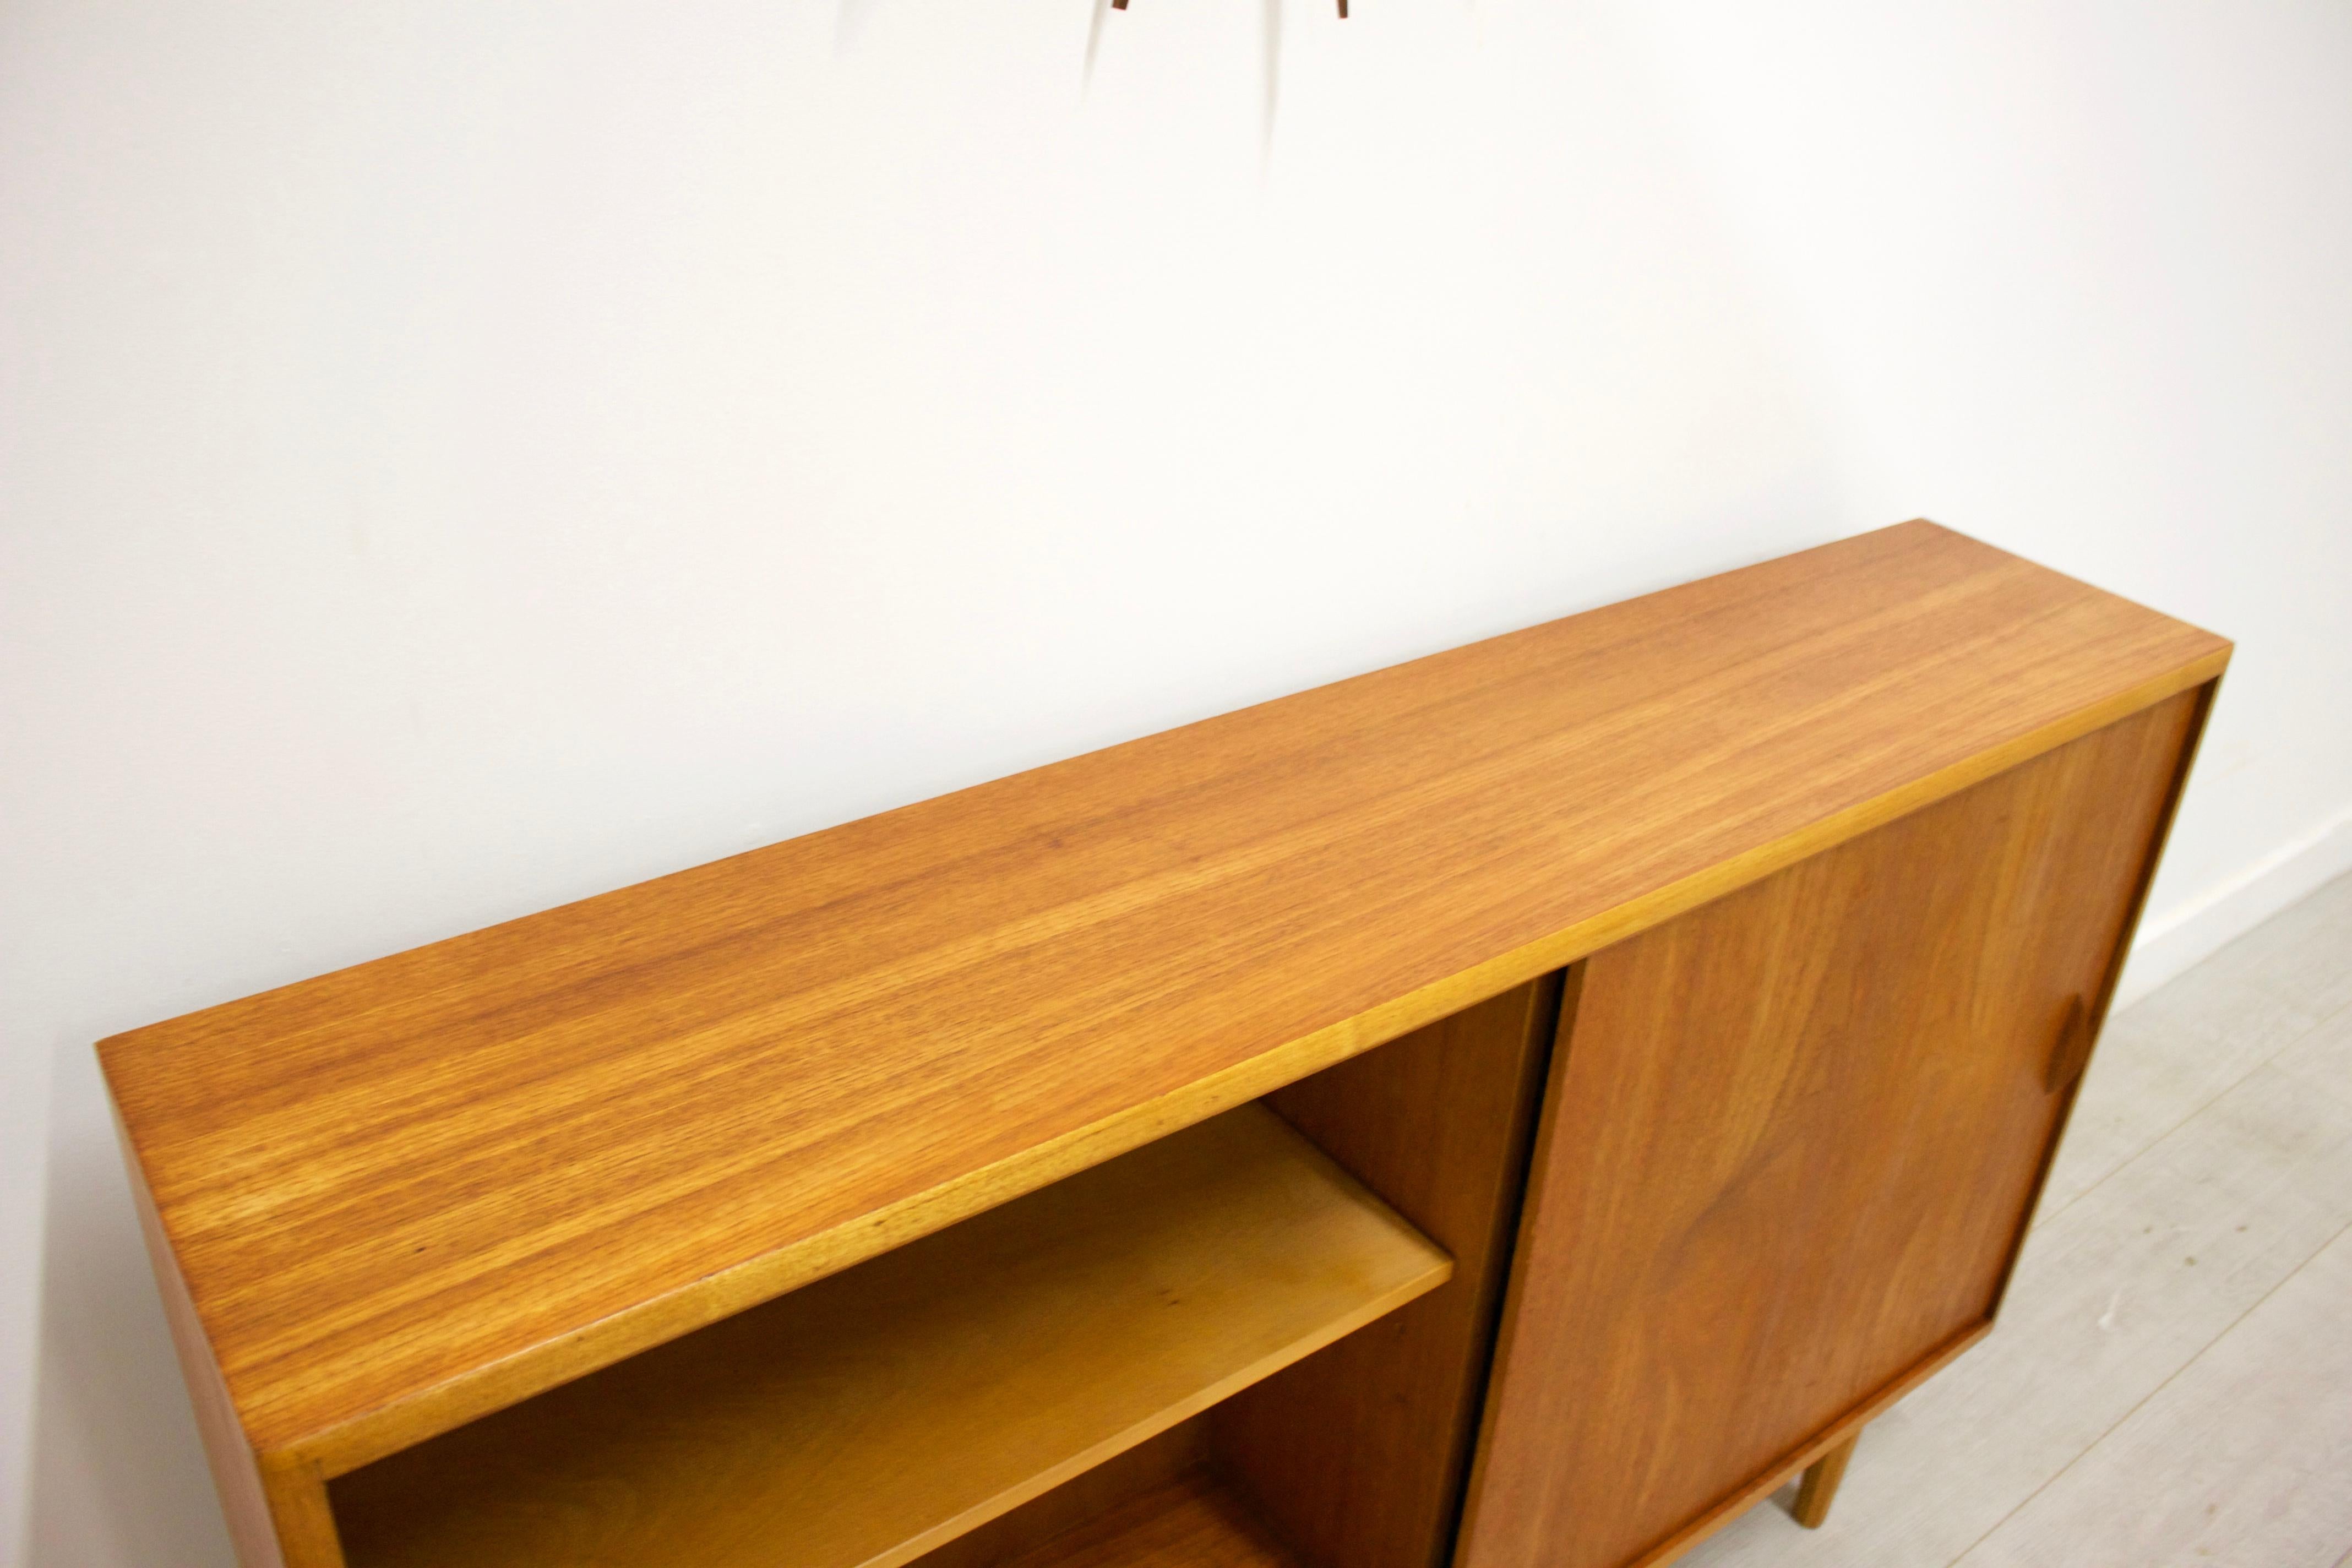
point(1789, 1145)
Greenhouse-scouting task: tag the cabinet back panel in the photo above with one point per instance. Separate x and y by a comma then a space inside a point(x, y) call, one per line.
point(1791, 1143)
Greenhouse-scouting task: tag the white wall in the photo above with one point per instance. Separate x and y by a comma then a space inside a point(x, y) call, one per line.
point(455, 458)
point(2077, 278)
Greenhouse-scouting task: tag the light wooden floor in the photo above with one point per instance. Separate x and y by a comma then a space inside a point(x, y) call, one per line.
point(2172, 1379)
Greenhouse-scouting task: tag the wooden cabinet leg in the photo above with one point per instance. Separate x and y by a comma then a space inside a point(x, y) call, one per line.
point(1819, 1488)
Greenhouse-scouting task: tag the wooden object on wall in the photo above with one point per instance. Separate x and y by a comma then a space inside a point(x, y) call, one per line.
point(412, 1194)
point(1794, 1140)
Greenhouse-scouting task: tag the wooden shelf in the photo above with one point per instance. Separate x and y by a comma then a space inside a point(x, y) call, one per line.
point(1192, 1521)
point(863, 1420)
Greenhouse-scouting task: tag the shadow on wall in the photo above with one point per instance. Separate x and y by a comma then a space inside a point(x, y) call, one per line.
point(112, 1476)
point(855, 14)
point(1270, 64)
point(1269, 57)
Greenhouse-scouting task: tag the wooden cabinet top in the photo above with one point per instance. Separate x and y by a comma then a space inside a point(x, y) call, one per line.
point(411, 1191)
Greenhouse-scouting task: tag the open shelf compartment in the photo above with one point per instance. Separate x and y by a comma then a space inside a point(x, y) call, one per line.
point(1193, 1521)
point(868, 1418)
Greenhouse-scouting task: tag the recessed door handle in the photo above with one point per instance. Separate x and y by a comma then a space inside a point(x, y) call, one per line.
point(2072, 1049)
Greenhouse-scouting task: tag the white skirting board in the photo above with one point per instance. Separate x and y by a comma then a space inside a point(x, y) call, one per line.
point(2171, 942)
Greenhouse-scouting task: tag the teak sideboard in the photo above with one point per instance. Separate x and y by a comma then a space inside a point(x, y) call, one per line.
point(1512, 1110)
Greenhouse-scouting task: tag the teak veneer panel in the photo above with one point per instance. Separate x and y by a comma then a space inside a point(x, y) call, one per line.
point(1192, 1521)
point(865, 1419)
point(412, 1192)
point(1082, 1499)
point(1357, 1455)
point(1791, 1145)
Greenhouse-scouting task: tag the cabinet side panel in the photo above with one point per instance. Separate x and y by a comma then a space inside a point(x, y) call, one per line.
point(1358, 1453)
point(1789, 1143)
point(246, 1493)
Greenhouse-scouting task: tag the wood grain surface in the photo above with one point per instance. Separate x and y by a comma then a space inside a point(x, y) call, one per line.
point(866, 1419)
point(1818, 1489)
point(1357, 1455)
point(1791, 1146)
point(276, 1519)
point(410, 1192)
point(2144, 1402)
point(1738, 1501)
point(1193, 1521)
point(1083, 1498)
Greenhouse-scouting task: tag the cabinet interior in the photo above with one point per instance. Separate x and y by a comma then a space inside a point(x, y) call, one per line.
point(1093, 1371)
